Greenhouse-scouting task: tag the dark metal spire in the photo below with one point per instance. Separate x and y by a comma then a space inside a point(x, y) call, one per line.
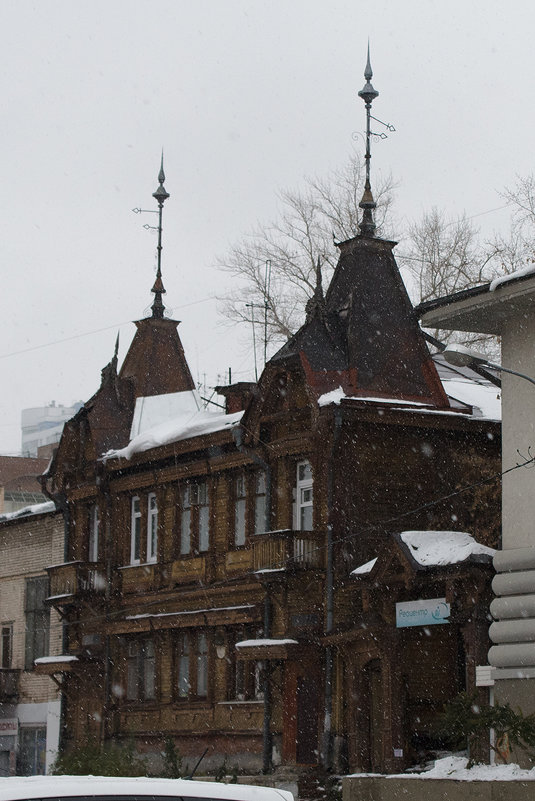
point(315, 305)
point(161, 196)
point(367, 204)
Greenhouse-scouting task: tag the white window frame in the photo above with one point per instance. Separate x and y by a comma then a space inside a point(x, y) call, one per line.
point(92, 548)
point(152, 528)
point(303, 485)
point(135, 530)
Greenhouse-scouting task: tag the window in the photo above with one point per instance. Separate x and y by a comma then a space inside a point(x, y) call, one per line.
point(260, 503)
point(246, 677)
point(152, 528)
point(92, 554)
point(194, 518)
point(135, 531)
point(141, 674)
point(249, 506)
point(37, 620)
point(6, 645)
point(31, 758)
point(192, 665)
point(304, 497)
point(240, 508)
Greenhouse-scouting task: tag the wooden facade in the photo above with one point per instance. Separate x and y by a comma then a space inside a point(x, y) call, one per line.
point(182, 554)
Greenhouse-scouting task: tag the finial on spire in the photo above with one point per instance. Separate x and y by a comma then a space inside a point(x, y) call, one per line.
point(161, 196)
point(367, 204)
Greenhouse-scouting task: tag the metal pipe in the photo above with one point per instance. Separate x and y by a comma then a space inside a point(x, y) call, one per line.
point(329, 598)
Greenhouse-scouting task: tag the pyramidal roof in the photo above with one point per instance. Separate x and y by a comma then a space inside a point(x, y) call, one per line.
point(364, 335)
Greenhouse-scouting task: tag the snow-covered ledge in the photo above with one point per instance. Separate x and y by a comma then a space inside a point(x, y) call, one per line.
point(449, 779)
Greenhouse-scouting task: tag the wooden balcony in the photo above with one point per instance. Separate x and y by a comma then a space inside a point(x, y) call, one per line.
point(289, 550)
point(74, 579)
point(9, 685)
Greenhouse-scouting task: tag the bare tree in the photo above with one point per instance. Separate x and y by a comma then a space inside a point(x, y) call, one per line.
point(443, 256)
point(309, 222)
point(275, 265)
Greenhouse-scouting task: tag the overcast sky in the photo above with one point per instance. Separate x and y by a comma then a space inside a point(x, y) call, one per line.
point(246, 97)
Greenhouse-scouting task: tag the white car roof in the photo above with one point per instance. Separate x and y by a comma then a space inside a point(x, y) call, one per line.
point(20, 788)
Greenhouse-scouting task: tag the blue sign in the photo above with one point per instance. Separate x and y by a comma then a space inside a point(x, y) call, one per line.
point(430, 612)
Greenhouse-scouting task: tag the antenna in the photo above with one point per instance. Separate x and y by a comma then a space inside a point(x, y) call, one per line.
point(267, 283)
point(252, 307)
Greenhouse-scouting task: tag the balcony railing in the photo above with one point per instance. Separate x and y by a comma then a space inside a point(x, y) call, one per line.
point(9, 685)
point(277, 550)
point(76, 578)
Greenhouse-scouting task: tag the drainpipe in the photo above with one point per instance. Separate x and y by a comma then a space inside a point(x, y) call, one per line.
point(103, 485)
point(329, 598)
point(267, 744)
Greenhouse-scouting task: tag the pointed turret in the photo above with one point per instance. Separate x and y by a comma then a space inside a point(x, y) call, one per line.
point(155, 361)
point(364, 336)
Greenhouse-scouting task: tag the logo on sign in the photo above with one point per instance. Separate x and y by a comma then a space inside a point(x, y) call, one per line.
point(430, 612)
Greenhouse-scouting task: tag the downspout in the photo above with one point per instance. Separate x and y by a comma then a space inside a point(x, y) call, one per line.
point(102, 483)
point(267, 740)
point(329, 598)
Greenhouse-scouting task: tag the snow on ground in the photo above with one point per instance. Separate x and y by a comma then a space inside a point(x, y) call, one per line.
point(35, 509)
point(264, 643)
point(432, 548)
point(455, 768)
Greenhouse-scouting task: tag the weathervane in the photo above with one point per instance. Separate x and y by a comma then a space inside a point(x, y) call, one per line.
point(161, 196)
point(367, 204)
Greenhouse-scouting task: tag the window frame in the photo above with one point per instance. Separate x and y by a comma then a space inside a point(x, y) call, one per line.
point(303, 485)
point(248, 505)
point(152, 528)
point(37, 620)
point(194, 517)
point(245, 677)
point(135, 530)
point(6, 639)
point(141, 668)
point(94, 530)
point(193, 659)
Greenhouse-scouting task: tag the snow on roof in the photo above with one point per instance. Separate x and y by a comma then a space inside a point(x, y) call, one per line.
point(52, 660)
point(504, 279)
point(264, 643)
point(365, 568)
point(462, 390)
point(434, 548)
point(178, 428)
point(485, 398)
point(156, 409)
point(337, 395)
point(27, 511)
point(191, 612)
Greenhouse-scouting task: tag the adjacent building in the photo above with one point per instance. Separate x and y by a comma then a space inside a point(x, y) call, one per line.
point(505, 307)
point(30, 706)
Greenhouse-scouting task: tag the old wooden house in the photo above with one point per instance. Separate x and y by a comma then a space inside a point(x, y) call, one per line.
point(208, 592)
